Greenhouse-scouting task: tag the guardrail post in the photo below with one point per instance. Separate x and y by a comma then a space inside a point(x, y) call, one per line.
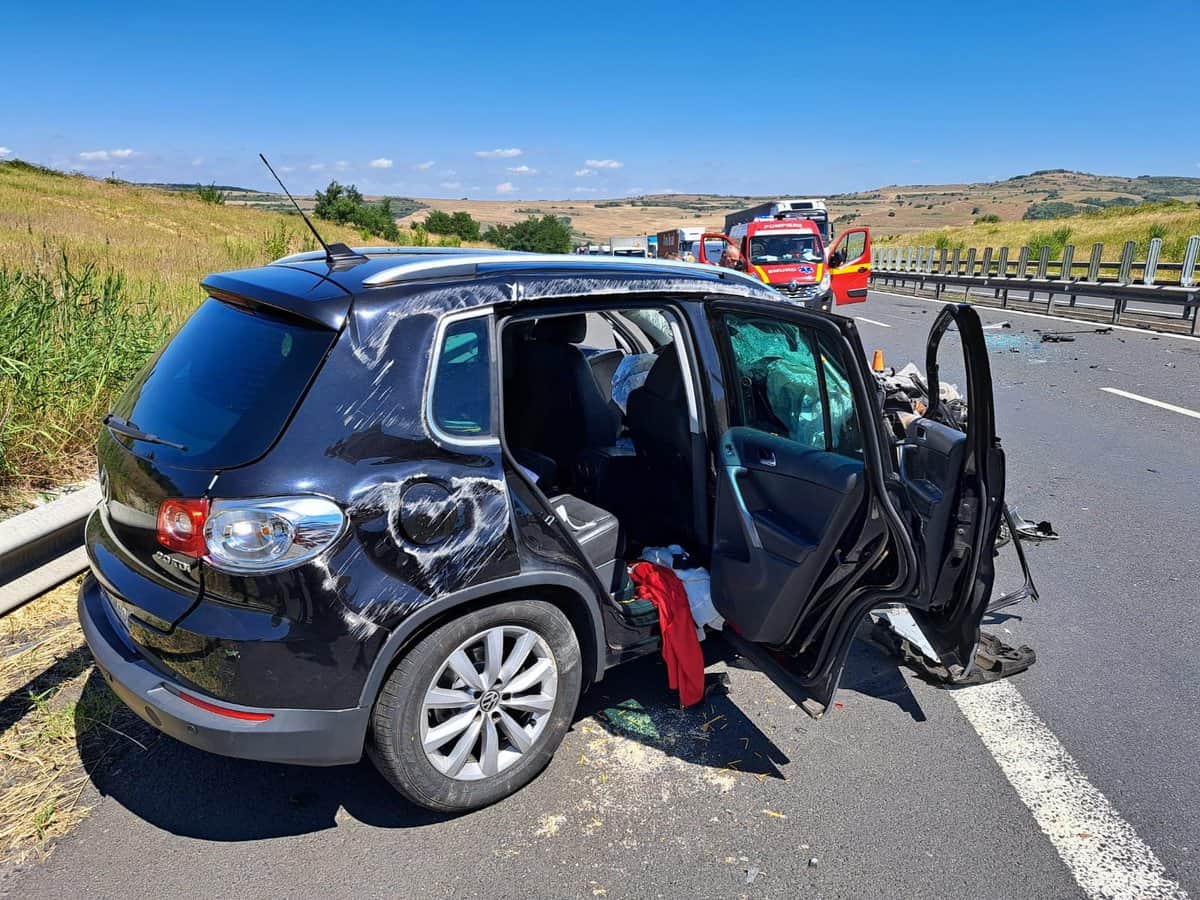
point(1022, 263)
point(970, 271)
point(1187, 274)
point(1124, 276)
point(1093, 272)
point(986, 269)
point(955, 258)
point(1043, 266)
point(1002, 268)
point(1152, 255)
point(1068, 259)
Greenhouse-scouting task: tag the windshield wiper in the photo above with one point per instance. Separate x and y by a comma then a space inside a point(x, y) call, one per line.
point(119, 425)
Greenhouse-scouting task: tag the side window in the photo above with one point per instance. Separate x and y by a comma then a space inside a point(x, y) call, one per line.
point(852, 248)
point(461, 397)
point(599, 332)
point(845, 437)
point(787, 387)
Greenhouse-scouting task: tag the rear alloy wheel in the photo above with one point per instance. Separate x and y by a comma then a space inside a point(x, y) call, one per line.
point(477, 708)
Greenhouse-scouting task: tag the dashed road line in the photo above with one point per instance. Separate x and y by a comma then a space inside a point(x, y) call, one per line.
point(1182, 410)
point(1019, 312)
point(1103, 852)
point(872, 322)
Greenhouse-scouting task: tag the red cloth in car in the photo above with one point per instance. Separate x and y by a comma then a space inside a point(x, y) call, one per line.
point(680, 648)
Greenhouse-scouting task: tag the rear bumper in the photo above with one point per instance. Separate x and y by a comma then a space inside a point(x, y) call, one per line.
point(313, 737)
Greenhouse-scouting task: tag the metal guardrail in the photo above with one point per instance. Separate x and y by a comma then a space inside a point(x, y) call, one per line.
point(1120, 281)
point(43, 548)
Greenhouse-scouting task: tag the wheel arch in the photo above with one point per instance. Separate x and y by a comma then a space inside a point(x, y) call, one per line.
point(567, 592)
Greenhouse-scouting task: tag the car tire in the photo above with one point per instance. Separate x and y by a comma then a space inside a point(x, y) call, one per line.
point(511, 744)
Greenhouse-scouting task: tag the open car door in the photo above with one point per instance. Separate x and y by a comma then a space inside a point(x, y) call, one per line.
point(850, 265)
point(820, 518)
point(710, 248)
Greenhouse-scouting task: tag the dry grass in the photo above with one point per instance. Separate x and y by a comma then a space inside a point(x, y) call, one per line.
point(1173, 222)
point(162, 242)
point(53, 717)
point(888, 210)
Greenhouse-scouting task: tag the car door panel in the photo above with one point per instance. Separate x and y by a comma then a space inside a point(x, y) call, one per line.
point(808, 540)
point(850, 277)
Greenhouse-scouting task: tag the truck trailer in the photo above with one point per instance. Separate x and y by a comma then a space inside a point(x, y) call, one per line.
point(813, 209)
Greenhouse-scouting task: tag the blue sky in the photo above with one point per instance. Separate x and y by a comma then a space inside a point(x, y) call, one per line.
point(596, 99)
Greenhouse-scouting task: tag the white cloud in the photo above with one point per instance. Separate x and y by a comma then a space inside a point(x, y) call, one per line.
point(451, 185)
point(316, 167)
point(94, 155)
point(506, 187)
point(424, 166)
point(582, 172)
point(121, 154)
point(341, 165)
point(499, 153)
point(522, 170)
point(287, 168)
point(198, 161)
point(583, 190)
point(381, 163)
point(449, 173)
point(5, 151)
point(603, 164)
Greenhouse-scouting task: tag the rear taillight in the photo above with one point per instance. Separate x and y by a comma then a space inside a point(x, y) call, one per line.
point(268, 534)
point(181, 525)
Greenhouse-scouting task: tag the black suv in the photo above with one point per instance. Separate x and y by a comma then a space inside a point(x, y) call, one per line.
point(383, 500)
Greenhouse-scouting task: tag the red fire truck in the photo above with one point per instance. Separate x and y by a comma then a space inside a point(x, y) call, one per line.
point(789, 255)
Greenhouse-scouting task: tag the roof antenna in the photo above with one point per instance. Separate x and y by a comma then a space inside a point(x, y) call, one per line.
point(334, 253)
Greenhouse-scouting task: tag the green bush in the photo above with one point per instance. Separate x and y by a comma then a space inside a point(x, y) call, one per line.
point(345, 205)
point(987, 218)
point(70, 340)
point(1056, 240)
point(210, 193)
point(545, 235)
point(1051, 209)
point(460, 224)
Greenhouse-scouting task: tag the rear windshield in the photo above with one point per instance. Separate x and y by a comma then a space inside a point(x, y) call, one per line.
point(224, 386)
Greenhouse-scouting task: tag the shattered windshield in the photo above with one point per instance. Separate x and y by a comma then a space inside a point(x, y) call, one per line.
point(785, 248)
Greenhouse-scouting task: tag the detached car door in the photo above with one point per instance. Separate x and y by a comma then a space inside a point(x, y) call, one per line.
point(850, 265)
point(819, 517)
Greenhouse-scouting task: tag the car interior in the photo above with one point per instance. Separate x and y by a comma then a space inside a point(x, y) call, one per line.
point(596, 413)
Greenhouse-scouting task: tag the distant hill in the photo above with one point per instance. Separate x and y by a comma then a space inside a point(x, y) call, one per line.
point(893, 209)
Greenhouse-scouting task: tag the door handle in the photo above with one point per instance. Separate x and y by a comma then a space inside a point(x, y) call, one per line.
point(749, 529)
point(864, 269)
point(767, 457)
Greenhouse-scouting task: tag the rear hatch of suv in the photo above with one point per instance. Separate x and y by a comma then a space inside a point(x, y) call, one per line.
point(217, 396)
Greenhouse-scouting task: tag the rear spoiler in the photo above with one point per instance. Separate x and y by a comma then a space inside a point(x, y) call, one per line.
point(295, 291)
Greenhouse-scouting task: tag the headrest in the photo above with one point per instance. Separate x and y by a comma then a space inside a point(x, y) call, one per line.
point(665, 377)
point(561, 329)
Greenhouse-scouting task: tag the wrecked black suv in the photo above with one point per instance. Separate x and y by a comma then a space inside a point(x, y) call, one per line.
point(382, 500)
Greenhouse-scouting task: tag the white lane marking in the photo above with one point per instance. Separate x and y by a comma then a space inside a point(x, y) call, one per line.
point(1019, 312)
point(1182, 410)
point(1103, 852)
point(872, 322)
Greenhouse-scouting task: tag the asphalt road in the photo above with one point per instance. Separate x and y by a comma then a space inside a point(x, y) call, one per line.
point(896, 792)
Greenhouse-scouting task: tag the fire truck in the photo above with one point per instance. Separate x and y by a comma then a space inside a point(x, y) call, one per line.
point(789, 253)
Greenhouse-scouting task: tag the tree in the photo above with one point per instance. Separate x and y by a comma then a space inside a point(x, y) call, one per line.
point(338, 203)
point(345, 205)
point(460, 224)
point(545, 235)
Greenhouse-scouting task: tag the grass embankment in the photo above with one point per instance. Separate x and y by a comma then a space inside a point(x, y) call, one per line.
point(1173, 222)
point(60, 726)
point(94, 275)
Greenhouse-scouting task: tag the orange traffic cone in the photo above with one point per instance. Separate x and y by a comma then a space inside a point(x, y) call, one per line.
point(877, 361)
